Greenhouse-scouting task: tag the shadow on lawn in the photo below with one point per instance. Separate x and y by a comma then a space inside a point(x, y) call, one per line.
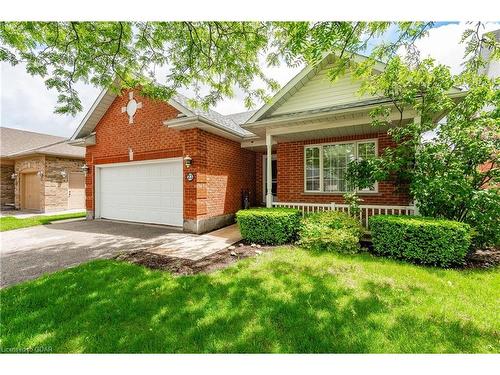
point(108, 306)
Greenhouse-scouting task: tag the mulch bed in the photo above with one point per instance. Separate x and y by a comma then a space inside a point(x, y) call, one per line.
point(180, 266)
point(485, 258)
point(481, 259)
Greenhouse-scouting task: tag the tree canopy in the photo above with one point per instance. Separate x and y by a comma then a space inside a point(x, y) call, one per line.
point(451, 167)
point(211, 58)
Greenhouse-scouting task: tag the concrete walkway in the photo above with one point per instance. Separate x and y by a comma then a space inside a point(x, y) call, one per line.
point(193, 247)
point(24, 214)
point(31, 252)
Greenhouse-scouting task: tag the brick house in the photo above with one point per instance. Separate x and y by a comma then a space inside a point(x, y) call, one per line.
point(40, 172)
point(168, 163)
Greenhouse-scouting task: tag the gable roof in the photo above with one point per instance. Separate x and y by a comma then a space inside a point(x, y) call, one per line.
point(17, 142)
point(301, 80)
point(230, 123)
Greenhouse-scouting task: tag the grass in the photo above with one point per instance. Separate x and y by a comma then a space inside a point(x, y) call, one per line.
point(12, 222)
point(286, 301)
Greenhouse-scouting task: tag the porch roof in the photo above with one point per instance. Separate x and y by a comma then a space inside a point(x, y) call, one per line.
point(334, 121)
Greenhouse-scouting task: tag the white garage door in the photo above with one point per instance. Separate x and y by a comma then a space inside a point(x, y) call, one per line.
point(142, 192)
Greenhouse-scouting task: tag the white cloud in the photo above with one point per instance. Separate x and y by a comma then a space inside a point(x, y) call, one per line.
point(282, 74)
point(25, 102)
point(442, 44)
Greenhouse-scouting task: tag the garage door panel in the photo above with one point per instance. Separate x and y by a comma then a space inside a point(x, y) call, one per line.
point(150, 193)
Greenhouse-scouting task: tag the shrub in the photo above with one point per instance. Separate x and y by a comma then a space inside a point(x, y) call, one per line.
point(421, 240)
point(331, 231)
point(271, 226)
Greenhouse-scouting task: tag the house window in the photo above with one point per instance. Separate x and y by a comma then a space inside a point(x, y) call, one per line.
point(326, 165)
point(367, 150)
point(335, 161)
point(312, 168)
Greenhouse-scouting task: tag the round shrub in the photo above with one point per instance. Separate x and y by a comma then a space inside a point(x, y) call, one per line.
point(270, 226)
point(421, 240)
point(331, 231)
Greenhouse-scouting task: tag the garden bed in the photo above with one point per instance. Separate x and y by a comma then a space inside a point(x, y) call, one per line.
point(484, 258)
point(479, 259)
point(181, 266)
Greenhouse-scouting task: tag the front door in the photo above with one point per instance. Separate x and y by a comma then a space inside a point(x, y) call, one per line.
point(30, 191)
point(76, 190)
point(274, 181)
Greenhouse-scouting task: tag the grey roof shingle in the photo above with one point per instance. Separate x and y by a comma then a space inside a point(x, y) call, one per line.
point(241, 117)
point(231, 122)
point(16, 142)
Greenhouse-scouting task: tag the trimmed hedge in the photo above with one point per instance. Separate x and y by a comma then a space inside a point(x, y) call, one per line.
point(331, 231)
point(270, 226)
point(421, 240)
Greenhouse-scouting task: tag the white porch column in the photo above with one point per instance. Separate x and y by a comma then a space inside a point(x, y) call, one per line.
point(269, 171)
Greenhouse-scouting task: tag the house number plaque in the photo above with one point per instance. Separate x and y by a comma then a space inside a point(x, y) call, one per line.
point(190, 176)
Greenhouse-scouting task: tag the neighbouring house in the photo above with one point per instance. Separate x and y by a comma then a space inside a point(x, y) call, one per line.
point(168, 163)
point(492, 68)
point(40, 172)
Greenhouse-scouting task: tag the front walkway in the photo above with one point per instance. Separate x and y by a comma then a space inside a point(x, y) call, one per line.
point(20, 214)
point(196, 247)
point(31, 252)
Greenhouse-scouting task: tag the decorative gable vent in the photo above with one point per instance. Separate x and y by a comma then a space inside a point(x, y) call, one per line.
point(132, 107)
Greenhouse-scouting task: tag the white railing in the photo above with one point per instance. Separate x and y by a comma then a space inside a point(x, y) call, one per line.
point(365, 212)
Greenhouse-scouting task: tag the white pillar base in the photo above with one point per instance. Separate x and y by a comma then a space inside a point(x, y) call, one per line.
point(269, 200)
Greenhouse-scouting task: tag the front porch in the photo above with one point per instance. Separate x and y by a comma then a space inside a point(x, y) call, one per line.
point(302, 161)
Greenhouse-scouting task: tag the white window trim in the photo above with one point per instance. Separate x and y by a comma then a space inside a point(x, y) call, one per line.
point(321, 182)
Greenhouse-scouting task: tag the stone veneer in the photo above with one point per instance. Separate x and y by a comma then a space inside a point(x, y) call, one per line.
point(6, 184)
point(53, 187)
point(56, 186)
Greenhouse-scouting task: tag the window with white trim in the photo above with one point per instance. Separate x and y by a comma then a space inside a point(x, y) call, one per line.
point(326, 165)
point(312, 168)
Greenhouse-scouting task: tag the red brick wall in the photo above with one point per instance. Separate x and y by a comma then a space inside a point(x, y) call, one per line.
point(230, 169)
point(222, 168)
point(194, 199)
point(147, 136)
point(290, 159)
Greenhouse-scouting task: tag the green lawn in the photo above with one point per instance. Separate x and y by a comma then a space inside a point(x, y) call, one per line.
point(11, 222)
point(289, 300)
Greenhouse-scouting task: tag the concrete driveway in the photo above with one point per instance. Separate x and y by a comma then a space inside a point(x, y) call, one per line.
point(29, 253)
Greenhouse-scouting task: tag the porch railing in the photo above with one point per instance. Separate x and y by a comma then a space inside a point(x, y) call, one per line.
point(365, 210)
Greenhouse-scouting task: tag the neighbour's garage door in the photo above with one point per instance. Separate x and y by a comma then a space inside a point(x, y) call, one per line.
point(143, 192)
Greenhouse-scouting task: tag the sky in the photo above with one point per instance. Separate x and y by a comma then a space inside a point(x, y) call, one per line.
point(25, 102)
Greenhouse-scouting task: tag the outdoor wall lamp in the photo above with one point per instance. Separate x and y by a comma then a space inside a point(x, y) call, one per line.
point(63, 174)
point(84, 169)
point(13, 176)
point(39, 174)
point(188, 161)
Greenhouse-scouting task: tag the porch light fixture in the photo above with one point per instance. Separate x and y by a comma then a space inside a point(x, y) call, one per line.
point(84, 169)
point(39, 174)
point(63, 174)
point(188, 161)
point(13, 176)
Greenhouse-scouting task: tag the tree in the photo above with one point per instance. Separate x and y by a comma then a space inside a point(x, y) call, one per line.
point(451, 168)
point(211, 58)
